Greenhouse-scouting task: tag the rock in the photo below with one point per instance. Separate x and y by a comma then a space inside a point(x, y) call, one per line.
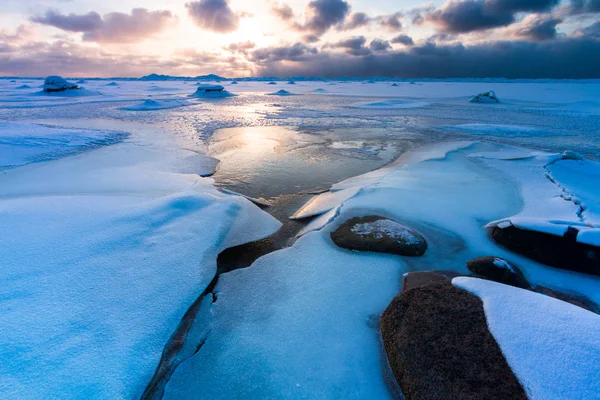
point(291, 83)
point(272, 83)
point(394, 84)
point(57, 84)
point(281, 93)
point(576, 300)
point(439, 346)
point(211, 91)
point(498, 270)
point(379, 234)
point(486, 97)
point(572, 155)
point(234, 83)
point(412, 280)
point(556, 251)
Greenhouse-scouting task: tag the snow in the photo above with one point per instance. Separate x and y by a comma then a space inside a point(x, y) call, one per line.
point(487, 97)
point(150, 105)
point(102, 255)
point(499, 130)
point(324, 202)
point(23, 143)
point(211, 91)
point(281, 93)
point(308, 330)
point(393, 104)
point(551, 346)
point(57, 84)
point(386, 227)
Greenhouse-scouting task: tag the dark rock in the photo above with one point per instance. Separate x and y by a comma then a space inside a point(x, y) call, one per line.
point(498, 270)
point(380, 235)
point(576, 300)
point(556, 251)
point(412, 280)
point(439, 346)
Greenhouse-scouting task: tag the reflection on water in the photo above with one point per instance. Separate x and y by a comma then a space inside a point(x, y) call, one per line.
point(266, 162)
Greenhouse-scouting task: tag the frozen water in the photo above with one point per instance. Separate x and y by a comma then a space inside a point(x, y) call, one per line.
point(393, 104)
point(552, 346)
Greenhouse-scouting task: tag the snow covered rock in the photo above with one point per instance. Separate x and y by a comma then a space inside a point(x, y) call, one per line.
point(281, 93)
point(57, 84)
point(394, 84)
point(439, 346)
point(381, 235)
point(24, 87)
point(291, 83)
point(411, 280)
point(554, 244)
point(486, 97)
point(234, 83)
point(272, 83)
point(498, 270)
point(211, 91)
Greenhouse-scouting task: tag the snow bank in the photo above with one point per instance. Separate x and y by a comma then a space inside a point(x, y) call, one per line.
point(553, 347)
point(22, 143)
point(102, 255)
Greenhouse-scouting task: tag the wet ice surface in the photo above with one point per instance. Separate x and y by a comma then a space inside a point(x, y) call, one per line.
point(301, 320)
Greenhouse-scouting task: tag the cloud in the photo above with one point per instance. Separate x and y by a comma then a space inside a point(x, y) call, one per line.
point(474, 15)
point(71, 22)
point(284, 12)
point(295, 52)
point(391, 22)
point(403, 39)
point(354, 46)
point(324, 14)
point(560, 58)
point(584, 7)
point(241, 47)
point(536, 27)
point(113, 27)
point(356, 20)
point(590, 31)
point(213, 15)
point(379, 45)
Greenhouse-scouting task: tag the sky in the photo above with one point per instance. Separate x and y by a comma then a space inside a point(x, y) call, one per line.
point(318, 38)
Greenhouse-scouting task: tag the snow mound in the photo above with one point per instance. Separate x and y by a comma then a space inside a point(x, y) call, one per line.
point(394, 84)
point(22, 143)
point(486, 97)
point(272, 83)
point(291, 83)
point(320, 90)
point(24, 87)
point(112, 84)
point(81, 81)
point(392, 104)
point(234, 83)
point(553, 347)
point(281, 93)
point(57, 84)
point(150, 105)
point(211, 92)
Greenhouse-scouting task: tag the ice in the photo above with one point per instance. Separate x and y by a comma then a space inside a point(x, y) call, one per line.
point(102, 255)
point(151, 105)
point(551, 346)
point(393, 104)
point(499, 130)
point(324, 202)
point(308, 330)
point(23, 143)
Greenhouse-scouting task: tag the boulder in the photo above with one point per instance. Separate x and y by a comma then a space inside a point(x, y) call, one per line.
point(439, 346)
point(57, 84)
point(412, 280)
point(381, 235)
point(556, 251)
point(499, 270)
point(486, 97)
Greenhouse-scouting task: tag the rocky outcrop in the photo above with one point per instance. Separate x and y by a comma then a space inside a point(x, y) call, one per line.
point(381, 235)
point(499, 270)
point(439, 346)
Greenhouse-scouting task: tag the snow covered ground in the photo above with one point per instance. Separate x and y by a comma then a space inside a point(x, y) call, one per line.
point(110, 233)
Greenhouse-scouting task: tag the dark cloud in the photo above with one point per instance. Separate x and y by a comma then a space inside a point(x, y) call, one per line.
point(537, 27)
point(284, 12)
point(403, 39)
point(241, 47)
point(473, 15)
point(213, 15)
point(391, 22)
point(592, 31)
point(311, 38)
point(324, 14)
point(113, 27)
point(584, 7)
point(379, 45)
point(71, 22)
point(356, 20)
point(295, 52)
point(562, 58)
point(354, 46)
